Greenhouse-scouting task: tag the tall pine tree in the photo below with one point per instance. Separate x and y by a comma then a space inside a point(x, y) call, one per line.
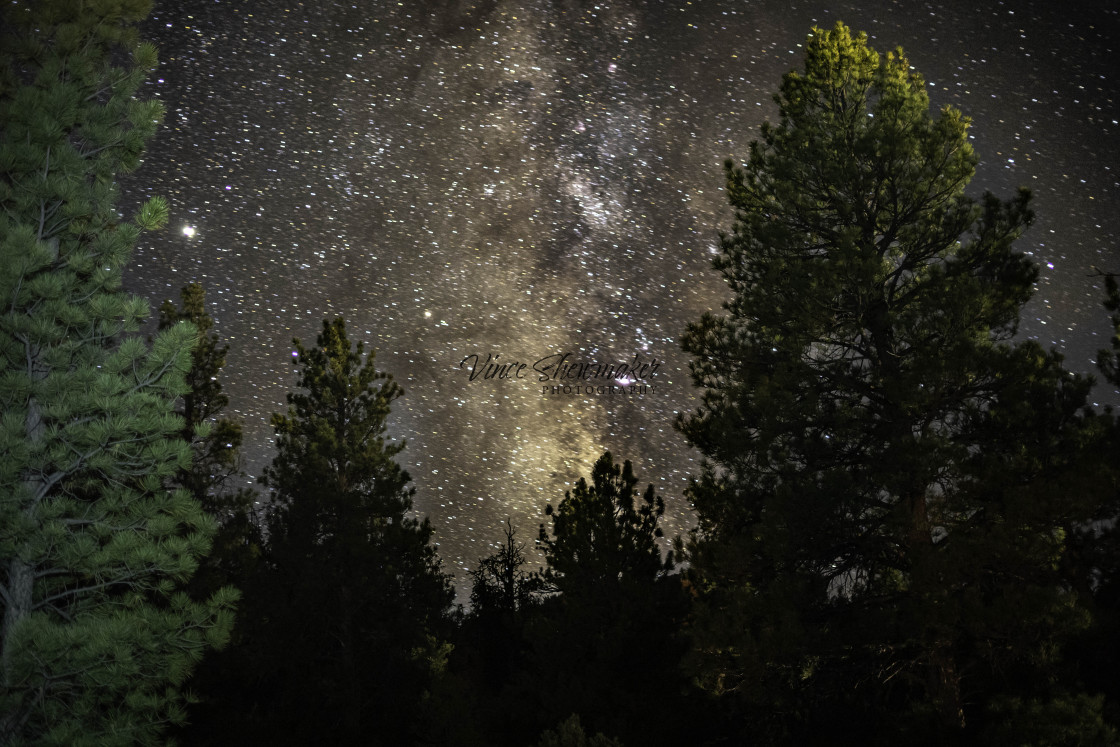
point(882, 511)
point(97, 635)
point(353, 594)
point(1094, 563)
point(214, 470)
point(215, 440)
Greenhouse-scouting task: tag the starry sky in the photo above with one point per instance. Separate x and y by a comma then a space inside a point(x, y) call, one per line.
point(533, 178)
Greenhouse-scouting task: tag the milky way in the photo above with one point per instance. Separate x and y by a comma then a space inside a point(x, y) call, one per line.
point(527, 179)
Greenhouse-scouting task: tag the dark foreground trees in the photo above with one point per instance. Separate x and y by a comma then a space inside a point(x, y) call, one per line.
point(344, 615)
point(593, 639)
point(500, 585)
point(605, 646)
point(883, 510)
point(357, 586)
point(1093, 564)
point(97, 635)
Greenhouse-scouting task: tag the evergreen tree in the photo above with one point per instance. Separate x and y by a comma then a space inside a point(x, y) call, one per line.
point(882, 510)
point(1093, 565)
point(97, 636)
point(601, 538)
point(606, 645)
point(215, 440)
point(1108, 360)
point(479, 702)
point(353, 593)
point(215, 449)
point(211, 478)
point(500, 585)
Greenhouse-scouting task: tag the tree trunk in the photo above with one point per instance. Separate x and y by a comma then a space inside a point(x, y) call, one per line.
point(20, 573)
point(945, 686)
point(943, 678)
point(18, 607)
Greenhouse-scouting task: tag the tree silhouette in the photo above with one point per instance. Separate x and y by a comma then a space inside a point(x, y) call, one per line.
point(881, 506)
point(215, 450)
point(606, 644)
point(352, 592)
point(500, 584)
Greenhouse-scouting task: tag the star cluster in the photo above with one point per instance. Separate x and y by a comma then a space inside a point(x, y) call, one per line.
point(541, 177)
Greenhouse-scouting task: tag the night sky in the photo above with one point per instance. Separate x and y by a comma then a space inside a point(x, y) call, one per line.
point(528, 179)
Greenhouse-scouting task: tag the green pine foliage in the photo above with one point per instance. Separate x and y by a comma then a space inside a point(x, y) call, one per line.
point(97, 635)
point(883, 510)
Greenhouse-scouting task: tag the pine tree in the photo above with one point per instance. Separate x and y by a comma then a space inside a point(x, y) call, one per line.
point(881, 511)
point(215, 440)
point(501, 585)
point(1093, 563)
point(569, 733)
point(601, 538)
point(215, 449)
point(490, 651)
point(605, 645)
point(97, 636)
point(354, 596)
